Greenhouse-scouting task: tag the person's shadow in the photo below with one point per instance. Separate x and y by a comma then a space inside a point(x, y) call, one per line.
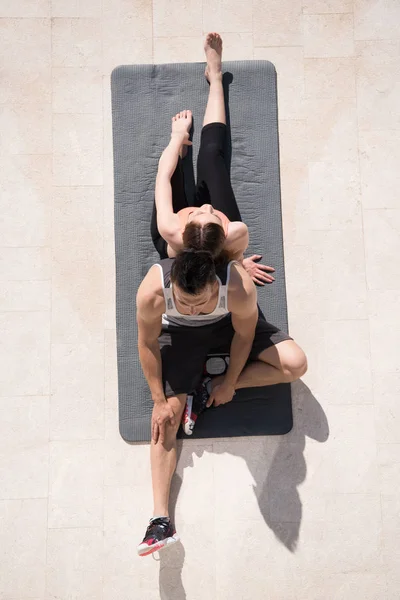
point(283, 470)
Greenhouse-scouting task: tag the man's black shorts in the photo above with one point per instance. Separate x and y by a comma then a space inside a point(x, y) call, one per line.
point(184, 350)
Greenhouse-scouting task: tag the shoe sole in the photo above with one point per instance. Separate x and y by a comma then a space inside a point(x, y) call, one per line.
point(145, 550)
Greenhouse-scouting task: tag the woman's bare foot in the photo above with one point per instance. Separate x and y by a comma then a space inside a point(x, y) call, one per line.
point(213, 50)
point(181, 124)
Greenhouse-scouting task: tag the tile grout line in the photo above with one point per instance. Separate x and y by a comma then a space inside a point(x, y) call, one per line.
point(104, 303)
point(381, 535)
point(51, 298)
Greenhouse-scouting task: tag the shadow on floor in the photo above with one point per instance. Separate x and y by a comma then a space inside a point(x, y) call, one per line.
point(277, 475)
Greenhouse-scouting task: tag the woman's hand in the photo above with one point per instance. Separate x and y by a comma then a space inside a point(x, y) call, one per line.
point(258, 273)
point(162, 414)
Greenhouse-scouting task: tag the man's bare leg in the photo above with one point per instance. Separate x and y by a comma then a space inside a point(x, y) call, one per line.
point(283, 363)
point(215, 111)
point(163, 459)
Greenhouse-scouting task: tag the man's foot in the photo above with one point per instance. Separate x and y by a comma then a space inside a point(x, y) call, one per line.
point(195, 405)
point(213, 50)
point(181, 124)
point(159, 534)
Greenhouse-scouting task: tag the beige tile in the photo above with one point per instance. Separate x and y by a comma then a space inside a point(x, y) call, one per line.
point(78, 309)
point(330, 77)
point(123, 586)
point(26, 54)
point(294, 182)
point(374, 20)
point(342, 466)
point(25, 353)
point(26, 200)
point(332, 130)
point(109, 270)
point(77, 224)
point(124, 464)
point(339, 274)
point(328, 35)
point(327, 6)
point(24, 431)
point(74, 563)
point(248, 461)
point(77, 378)
point(288, 63)
point(171, 19)
point(220, 16)
point(23, 532)
point(77, 90)
point(378, 84)
point(387, 410)
point(389, 467)
point(76, 8)
point(196, 557)
point(110, 368)
point(76, 42)
point(178, 49)
point(25, 8)
point(379, 158)
point(77, 150)
point(353, 528)
point(19, 264)
point(26, 129)
point(382, 244)
point(25, 295)
point(384, 344)
point(127, 511)
point(120, 48)
point(346, 422)
point(341, 586)
point(278, 23)
point(248, 544)
point(76, 484)
point(345, 365)
point(237, 46)
point(299, 281)
point(335, 199)
point(127, 33)
point(196, 469)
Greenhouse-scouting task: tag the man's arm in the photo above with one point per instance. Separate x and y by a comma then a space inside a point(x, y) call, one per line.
point(242, 302)
point(149, 309)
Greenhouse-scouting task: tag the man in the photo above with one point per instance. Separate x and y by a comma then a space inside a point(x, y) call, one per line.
point(182, 313)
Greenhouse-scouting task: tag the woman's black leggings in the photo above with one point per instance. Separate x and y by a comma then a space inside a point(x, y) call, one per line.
point(213, 182)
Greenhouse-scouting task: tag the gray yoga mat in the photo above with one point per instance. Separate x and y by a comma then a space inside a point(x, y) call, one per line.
point(144, 98)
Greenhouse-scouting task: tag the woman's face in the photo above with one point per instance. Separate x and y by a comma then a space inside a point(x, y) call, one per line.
point(203, 215)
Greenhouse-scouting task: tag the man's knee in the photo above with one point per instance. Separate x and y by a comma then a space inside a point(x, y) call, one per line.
point(294, 364)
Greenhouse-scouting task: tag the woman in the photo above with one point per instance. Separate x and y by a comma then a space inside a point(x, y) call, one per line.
point(213, 223)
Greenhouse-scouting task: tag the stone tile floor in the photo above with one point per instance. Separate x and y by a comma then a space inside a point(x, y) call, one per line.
point(314, 515)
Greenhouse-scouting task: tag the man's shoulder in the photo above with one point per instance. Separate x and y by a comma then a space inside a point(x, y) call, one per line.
point(150, 296)
point(241, 287)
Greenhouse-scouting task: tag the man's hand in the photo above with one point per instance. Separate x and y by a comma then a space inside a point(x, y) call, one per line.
point(162, 414)
point(222, 393)
point(258, 272)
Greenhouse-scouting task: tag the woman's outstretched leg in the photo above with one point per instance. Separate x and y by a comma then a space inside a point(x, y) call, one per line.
point(215, 110)
point(213, 180)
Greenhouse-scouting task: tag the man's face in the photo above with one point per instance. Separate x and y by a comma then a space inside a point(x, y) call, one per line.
point(190, 304)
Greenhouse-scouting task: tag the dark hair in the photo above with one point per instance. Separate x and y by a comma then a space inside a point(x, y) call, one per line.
point(192, 270)
point(209, 237)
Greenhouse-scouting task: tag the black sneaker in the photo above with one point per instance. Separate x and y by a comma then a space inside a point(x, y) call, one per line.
point(195, 405)
point(159, 534)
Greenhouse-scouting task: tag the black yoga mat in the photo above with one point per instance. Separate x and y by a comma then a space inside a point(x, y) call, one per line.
point(144, 98)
